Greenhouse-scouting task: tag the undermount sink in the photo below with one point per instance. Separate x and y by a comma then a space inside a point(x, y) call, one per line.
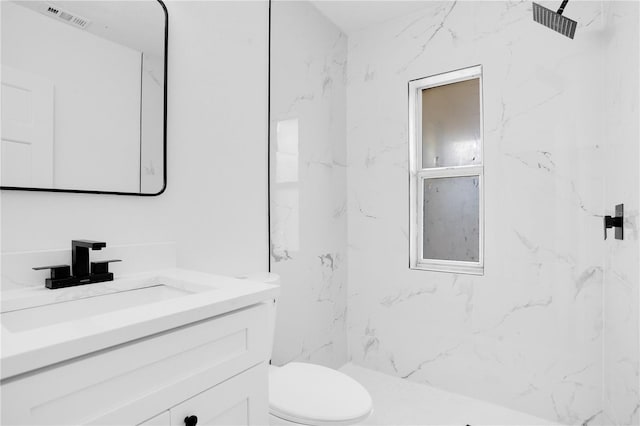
point(31, 317)
point(34, 308)
point(42, 327)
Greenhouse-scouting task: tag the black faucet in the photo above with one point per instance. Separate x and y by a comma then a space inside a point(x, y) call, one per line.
point(80, 256)
point(84, 271)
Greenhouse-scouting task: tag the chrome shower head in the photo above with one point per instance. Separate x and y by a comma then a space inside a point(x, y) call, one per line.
point(555, 20)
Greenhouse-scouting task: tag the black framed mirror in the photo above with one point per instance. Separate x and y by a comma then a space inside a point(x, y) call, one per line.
point(84, 96)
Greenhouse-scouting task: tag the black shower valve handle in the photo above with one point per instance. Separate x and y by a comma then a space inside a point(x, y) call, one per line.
point(609, 222)
point(616, 222)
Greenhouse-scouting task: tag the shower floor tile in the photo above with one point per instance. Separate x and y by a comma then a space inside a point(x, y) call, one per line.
point(400, 402)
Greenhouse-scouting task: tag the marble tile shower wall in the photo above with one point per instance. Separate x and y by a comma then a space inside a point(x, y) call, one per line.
point(529, 333)
point(621, 275)
point(308, 184)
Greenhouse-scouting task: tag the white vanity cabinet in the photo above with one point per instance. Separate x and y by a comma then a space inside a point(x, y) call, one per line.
point(241, 400)
point(215, 369)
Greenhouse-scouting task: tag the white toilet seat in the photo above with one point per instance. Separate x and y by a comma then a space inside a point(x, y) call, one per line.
point(314, 395)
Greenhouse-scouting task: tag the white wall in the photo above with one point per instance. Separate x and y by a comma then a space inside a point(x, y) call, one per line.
point(527, 334)
point(308, 184)
point(215, 203)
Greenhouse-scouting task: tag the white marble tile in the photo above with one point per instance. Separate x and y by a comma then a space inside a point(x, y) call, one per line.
point(621, 298)
point(527, 334)
point(308, 209)
point(400, 402)
point(557, 308)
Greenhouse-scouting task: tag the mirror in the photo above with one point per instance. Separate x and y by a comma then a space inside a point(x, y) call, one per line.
point(84, 96)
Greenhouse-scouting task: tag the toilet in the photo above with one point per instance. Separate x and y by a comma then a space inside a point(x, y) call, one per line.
point(308, 394)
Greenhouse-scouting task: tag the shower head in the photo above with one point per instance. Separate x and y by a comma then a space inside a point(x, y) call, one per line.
point(555, 20)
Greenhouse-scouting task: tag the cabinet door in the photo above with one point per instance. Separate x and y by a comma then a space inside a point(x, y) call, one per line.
point(129, 383)
point(241, 400)
point(162, 419)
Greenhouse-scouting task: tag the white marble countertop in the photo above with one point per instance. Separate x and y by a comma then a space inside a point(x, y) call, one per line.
point(206, 296)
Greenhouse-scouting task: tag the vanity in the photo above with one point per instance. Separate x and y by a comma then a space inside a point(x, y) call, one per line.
point(168, 347)
point(173, 347)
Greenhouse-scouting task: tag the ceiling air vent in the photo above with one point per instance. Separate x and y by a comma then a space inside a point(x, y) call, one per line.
point(66, 16)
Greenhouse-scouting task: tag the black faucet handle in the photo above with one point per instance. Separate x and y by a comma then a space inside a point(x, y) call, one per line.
point(102, 266)
point(93, 245)
point(60, 276)
point(57, 271)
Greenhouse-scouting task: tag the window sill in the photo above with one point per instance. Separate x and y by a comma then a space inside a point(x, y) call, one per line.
point(450, 267)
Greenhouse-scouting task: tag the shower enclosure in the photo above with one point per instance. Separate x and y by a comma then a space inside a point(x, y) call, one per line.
point(550, 326)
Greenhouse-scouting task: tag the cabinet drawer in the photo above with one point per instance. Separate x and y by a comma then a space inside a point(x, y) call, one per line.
point(241, 400)
point(129, 383)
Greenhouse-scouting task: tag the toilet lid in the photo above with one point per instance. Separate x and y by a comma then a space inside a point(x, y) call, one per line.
point(314, 395)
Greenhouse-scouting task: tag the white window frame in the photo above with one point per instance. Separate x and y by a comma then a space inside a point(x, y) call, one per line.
point(417, 175)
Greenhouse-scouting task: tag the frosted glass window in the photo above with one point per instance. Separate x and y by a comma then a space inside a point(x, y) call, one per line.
point(446, 172)
point(451, 124)
point(451, 221)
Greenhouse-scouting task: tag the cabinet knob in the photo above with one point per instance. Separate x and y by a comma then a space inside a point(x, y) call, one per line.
point(190, 421)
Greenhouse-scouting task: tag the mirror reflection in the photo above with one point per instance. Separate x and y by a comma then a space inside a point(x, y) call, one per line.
point(83, 95)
